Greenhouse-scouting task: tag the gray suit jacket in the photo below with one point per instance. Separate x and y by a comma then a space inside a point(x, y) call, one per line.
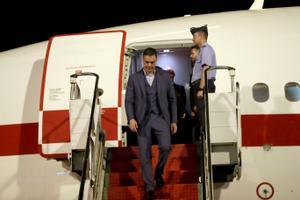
point(135, 100)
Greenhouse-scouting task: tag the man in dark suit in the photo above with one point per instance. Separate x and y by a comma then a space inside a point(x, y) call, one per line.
point(180, 96)
point(151, 108)
point(181, 111)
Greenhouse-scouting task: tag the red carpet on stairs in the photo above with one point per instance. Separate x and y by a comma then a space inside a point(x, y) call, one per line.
point(124, 179)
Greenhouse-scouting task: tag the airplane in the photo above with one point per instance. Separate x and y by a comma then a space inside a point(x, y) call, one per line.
point(261, 45)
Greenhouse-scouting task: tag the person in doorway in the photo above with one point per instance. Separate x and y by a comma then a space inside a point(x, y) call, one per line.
point(206, 58)
point(180, 96)
point(195, 50)
point(181, 111)
point(150, 104)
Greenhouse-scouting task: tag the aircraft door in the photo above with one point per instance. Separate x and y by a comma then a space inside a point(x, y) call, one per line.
point(97, 52)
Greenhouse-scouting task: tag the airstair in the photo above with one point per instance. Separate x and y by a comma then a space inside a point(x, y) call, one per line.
point(87, 140)
point(220, 141)
point(219, 158)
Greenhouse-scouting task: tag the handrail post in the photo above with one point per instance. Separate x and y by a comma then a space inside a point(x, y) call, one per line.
point(207, 177)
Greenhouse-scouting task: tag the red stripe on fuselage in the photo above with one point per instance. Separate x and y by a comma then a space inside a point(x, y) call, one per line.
point(110, 123)
point(275, 129)
point(257, 130)
point(56, 125)
point(16, 139)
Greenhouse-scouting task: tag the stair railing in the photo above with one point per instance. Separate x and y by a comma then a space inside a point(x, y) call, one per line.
point(96, 141)
point(206, 168)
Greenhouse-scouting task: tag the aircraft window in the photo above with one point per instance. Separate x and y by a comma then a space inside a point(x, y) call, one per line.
point(292, 91)
point(260, 92)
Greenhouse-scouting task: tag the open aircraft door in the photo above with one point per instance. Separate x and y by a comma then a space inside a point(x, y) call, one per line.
point(97, 52)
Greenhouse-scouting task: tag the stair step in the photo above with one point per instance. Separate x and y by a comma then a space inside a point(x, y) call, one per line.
point(171, 191)
point(173, 164)
point(178, 150)
point(170, 177)
point(180, 176)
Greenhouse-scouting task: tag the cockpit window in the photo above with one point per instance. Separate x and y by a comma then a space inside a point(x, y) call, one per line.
point(292, 91)
point(260, 92)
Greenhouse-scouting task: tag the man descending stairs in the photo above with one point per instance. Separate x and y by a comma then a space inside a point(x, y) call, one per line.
point(124, 178)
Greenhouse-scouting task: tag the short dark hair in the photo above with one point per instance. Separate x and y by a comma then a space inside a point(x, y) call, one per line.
point(195, 47)
point(205, 34)
point(150, 52)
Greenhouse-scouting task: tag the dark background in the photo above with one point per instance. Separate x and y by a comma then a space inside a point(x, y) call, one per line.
point(27, 22)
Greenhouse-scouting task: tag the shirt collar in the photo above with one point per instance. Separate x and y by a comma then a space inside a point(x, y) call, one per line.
point(204, 45)
point(150, 74)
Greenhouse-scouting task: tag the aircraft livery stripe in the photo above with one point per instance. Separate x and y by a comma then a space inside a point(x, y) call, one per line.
point(121, 69)
point(44, 74)
point(257, 130)
point(56, 125)
point(275, 129)
point(19, 139)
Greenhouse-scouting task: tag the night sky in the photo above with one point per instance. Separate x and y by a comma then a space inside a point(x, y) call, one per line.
point(25, 23)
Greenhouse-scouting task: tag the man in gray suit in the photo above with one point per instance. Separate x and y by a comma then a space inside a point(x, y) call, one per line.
point(151, 108)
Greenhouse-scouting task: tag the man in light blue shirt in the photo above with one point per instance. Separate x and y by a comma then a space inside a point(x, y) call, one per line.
point(206, 58)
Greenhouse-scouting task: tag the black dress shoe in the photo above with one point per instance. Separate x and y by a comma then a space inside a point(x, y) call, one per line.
point(159, 180)
point(149, 195)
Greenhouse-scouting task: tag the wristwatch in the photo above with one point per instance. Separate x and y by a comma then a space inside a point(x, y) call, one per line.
point(200, 89)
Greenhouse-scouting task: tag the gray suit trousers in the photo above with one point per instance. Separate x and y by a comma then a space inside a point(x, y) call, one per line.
point(160, 128)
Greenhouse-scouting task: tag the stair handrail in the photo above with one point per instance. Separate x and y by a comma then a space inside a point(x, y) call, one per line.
point(87, 147)
point(207, 130)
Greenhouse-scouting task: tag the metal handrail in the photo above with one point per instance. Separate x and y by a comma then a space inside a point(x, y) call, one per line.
point(207, 131)
point(87, 147)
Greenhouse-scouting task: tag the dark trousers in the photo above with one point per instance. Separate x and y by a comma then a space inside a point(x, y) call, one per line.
point(199, 120)
point(194, 89)
point(159, 127)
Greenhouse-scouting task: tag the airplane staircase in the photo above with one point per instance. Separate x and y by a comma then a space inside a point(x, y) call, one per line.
point(220, 146)
point(123, 180)
point(191, 169)
point(88, 152)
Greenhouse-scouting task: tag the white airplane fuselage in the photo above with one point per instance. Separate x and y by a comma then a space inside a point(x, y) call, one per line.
point(262, 45)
